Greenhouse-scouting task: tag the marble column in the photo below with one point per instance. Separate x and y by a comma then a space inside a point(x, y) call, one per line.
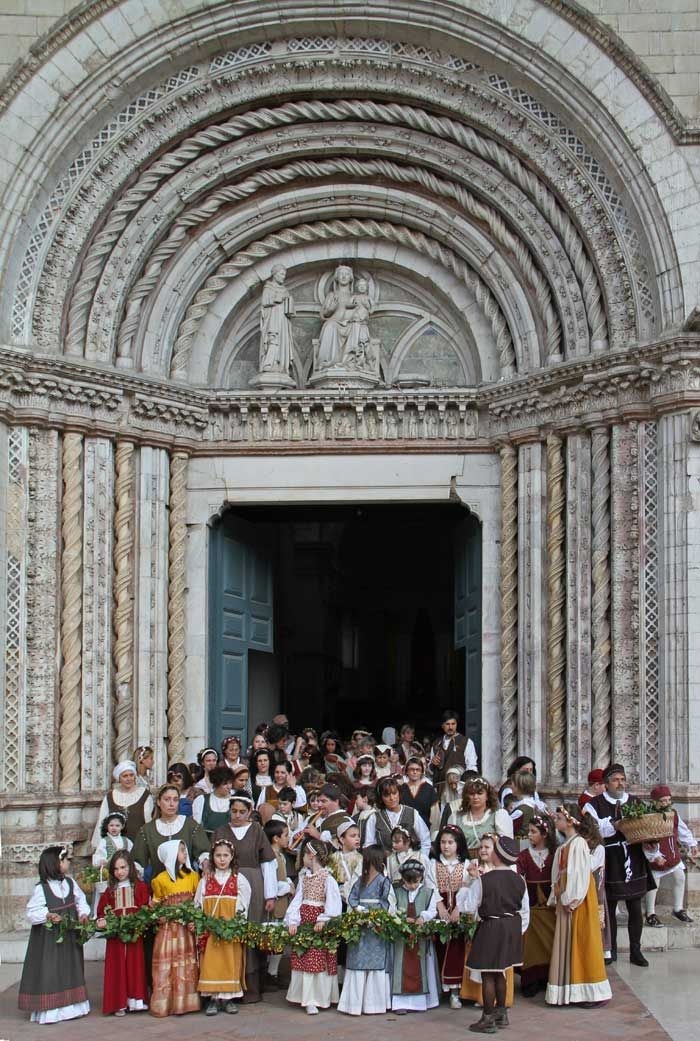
point(601, 709)
point(693, 530)
point(96, 635)
point(177, 595)
point(624, 458)
point(675, 513)
point(509, 605)
point(532, 495)
point(649, 607)
point(14, 495)
point(556, 607)
point(71, 611)
point(151, 603)
point(43, 609)
point(123, 650)
point(578, 606)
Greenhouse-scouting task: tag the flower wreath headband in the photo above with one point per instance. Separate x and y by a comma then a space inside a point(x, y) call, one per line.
point(569, 819)
point(223, 842)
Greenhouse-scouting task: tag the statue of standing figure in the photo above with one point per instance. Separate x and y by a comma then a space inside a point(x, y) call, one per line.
point(276, 339)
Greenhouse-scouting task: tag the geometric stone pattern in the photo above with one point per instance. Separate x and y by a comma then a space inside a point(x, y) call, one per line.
point(649, 686)
point(14, 723)
point(578, 605)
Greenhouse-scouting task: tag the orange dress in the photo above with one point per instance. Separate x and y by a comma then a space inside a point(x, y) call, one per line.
point(175, 972)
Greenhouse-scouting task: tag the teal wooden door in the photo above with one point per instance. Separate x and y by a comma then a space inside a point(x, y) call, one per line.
point(467, 619)
point(240, 619)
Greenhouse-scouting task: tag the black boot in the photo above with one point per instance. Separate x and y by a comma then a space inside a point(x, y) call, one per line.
point(637, 958)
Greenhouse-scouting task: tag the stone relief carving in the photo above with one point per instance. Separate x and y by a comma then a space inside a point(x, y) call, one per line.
point(345, 353)
point(276, 337)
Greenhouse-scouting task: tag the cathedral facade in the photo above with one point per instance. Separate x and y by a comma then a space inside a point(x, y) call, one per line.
point(260, 262)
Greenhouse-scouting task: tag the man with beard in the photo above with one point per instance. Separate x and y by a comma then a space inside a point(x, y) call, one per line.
point(627, 874)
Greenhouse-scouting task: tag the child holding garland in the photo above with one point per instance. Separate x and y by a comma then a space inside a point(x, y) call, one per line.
point(125, 986)
point(174, 948)
point(414, 986)
point(223, 894)
point(366, 984)
point(314, 982)
point(450, 853)
point(52, 987)
point(346, 863)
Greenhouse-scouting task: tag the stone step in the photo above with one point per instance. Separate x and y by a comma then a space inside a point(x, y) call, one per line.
point(672, 936)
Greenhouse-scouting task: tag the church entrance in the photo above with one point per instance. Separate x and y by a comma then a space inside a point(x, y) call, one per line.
point(344, 615)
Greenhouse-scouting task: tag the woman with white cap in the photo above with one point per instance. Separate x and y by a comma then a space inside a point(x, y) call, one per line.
point(127, 797)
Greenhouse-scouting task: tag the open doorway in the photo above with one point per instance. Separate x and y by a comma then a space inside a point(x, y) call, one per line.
point(345, 616)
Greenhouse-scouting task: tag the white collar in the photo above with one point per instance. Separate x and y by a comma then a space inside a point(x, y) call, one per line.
point(613, 802)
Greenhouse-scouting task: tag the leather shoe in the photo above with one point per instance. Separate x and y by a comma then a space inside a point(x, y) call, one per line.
point(654, 921)
point(637, 958)
point(682, 916)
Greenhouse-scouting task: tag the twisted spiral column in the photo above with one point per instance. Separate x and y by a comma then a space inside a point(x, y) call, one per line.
point(123, 654)
point(556, 625)
point(509, 604)
point(176, 606)
point(600, 605)
point(71, 612)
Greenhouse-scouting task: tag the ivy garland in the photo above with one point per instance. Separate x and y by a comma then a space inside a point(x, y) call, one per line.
point(269, 937)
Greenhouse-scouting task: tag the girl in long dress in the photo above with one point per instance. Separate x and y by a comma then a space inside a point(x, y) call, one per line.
point(125, 986)
point(414, 984)
point(577, 970)
point(174, 949)
point(535, 866)
point(314, 982)
point(52, 987)
point(224, 894)
point(366, 986)
point(450, 849)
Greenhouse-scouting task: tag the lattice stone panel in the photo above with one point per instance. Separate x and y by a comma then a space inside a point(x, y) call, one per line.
point(13, 721)
point(649, 602)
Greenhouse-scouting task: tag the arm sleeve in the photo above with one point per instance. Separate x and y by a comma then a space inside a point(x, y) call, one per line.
point(468, 898)
point(334, 905)
point(354, 896)
point(429, 866)
point(422, 833)
point(525, 911)
point(470, 757)
point(37, 911)
point(371, 831)
point(430, 912)
point(199, 843)
point(244, 894)
point(99, 857)
point(293, 915)
point(198, 809)
point(504, 825)
point(81, 904)
point(269, 872)
point(140, 850)
point(199, 895)
point(685, 834)
point(578, 873)
point(148, 809)
point(605, 826)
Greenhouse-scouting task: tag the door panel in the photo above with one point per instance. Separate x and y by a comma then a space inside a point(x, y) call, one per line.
point(467, 619)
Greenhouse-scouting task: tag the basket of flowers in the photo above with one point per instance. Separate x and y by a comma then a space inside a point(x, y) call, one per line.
point(641, 822)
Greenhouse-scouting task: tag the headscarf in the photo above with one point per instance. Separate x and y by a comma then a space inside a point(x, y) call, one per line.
point(124, 767)
point(167, 855)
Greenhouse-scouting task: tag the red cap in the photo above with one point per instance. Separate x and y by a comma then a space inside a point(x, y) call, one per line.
point(595, 777)
point(660, 792)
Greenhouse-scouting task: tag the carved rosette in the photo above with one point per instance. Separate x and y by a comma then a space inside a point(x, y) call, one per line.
point(177, 606)
point(71, 617)
point(123, 602)
point(509, 604)
point(556, 603)
point(600, 613)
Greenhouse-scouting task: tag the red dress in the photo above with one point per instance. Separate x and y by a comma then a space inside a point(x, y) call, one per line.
point(452, 955)
point(538, 940)
point(125, 969)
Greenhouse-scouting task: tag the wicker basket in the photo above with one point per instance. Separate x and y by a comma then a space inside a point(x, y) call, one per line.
point(649, 828)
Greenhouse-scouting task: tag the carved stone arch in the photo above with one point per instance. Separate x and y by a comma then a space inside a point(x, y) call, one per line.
point(100, 247)
point(495, 281)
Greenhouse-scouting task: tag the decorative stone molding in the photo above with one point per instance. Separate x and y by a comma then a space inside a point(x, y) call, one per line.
point(71, 614)
point(341, 229)
point(532, 676)
point(578, 606)
point(15, 469)
point(509, 605)
point(556, 602)
point(624, 555)
point(600, 608)
point(96, 636)
point(177, 592)
point(123, 678)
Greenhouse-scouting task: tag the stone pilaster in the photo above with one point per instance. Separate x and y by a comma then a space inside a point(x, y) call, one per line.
point(177, 577)
point(14, 492)
point(509, 604)
point(151, 604)
point(693, 530)
point(649, 688)
point(43, 610)
point(123, 715)
point(532, 493)
point(600, 604)
point(96, 637)
point(71, 610)
point(624, 457)
point(556, 606)
point(578, 605)
point(674, 503)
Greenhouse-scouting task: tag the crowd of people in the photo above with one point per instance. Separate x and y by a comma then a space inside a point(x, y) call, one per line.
point(298, 829)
